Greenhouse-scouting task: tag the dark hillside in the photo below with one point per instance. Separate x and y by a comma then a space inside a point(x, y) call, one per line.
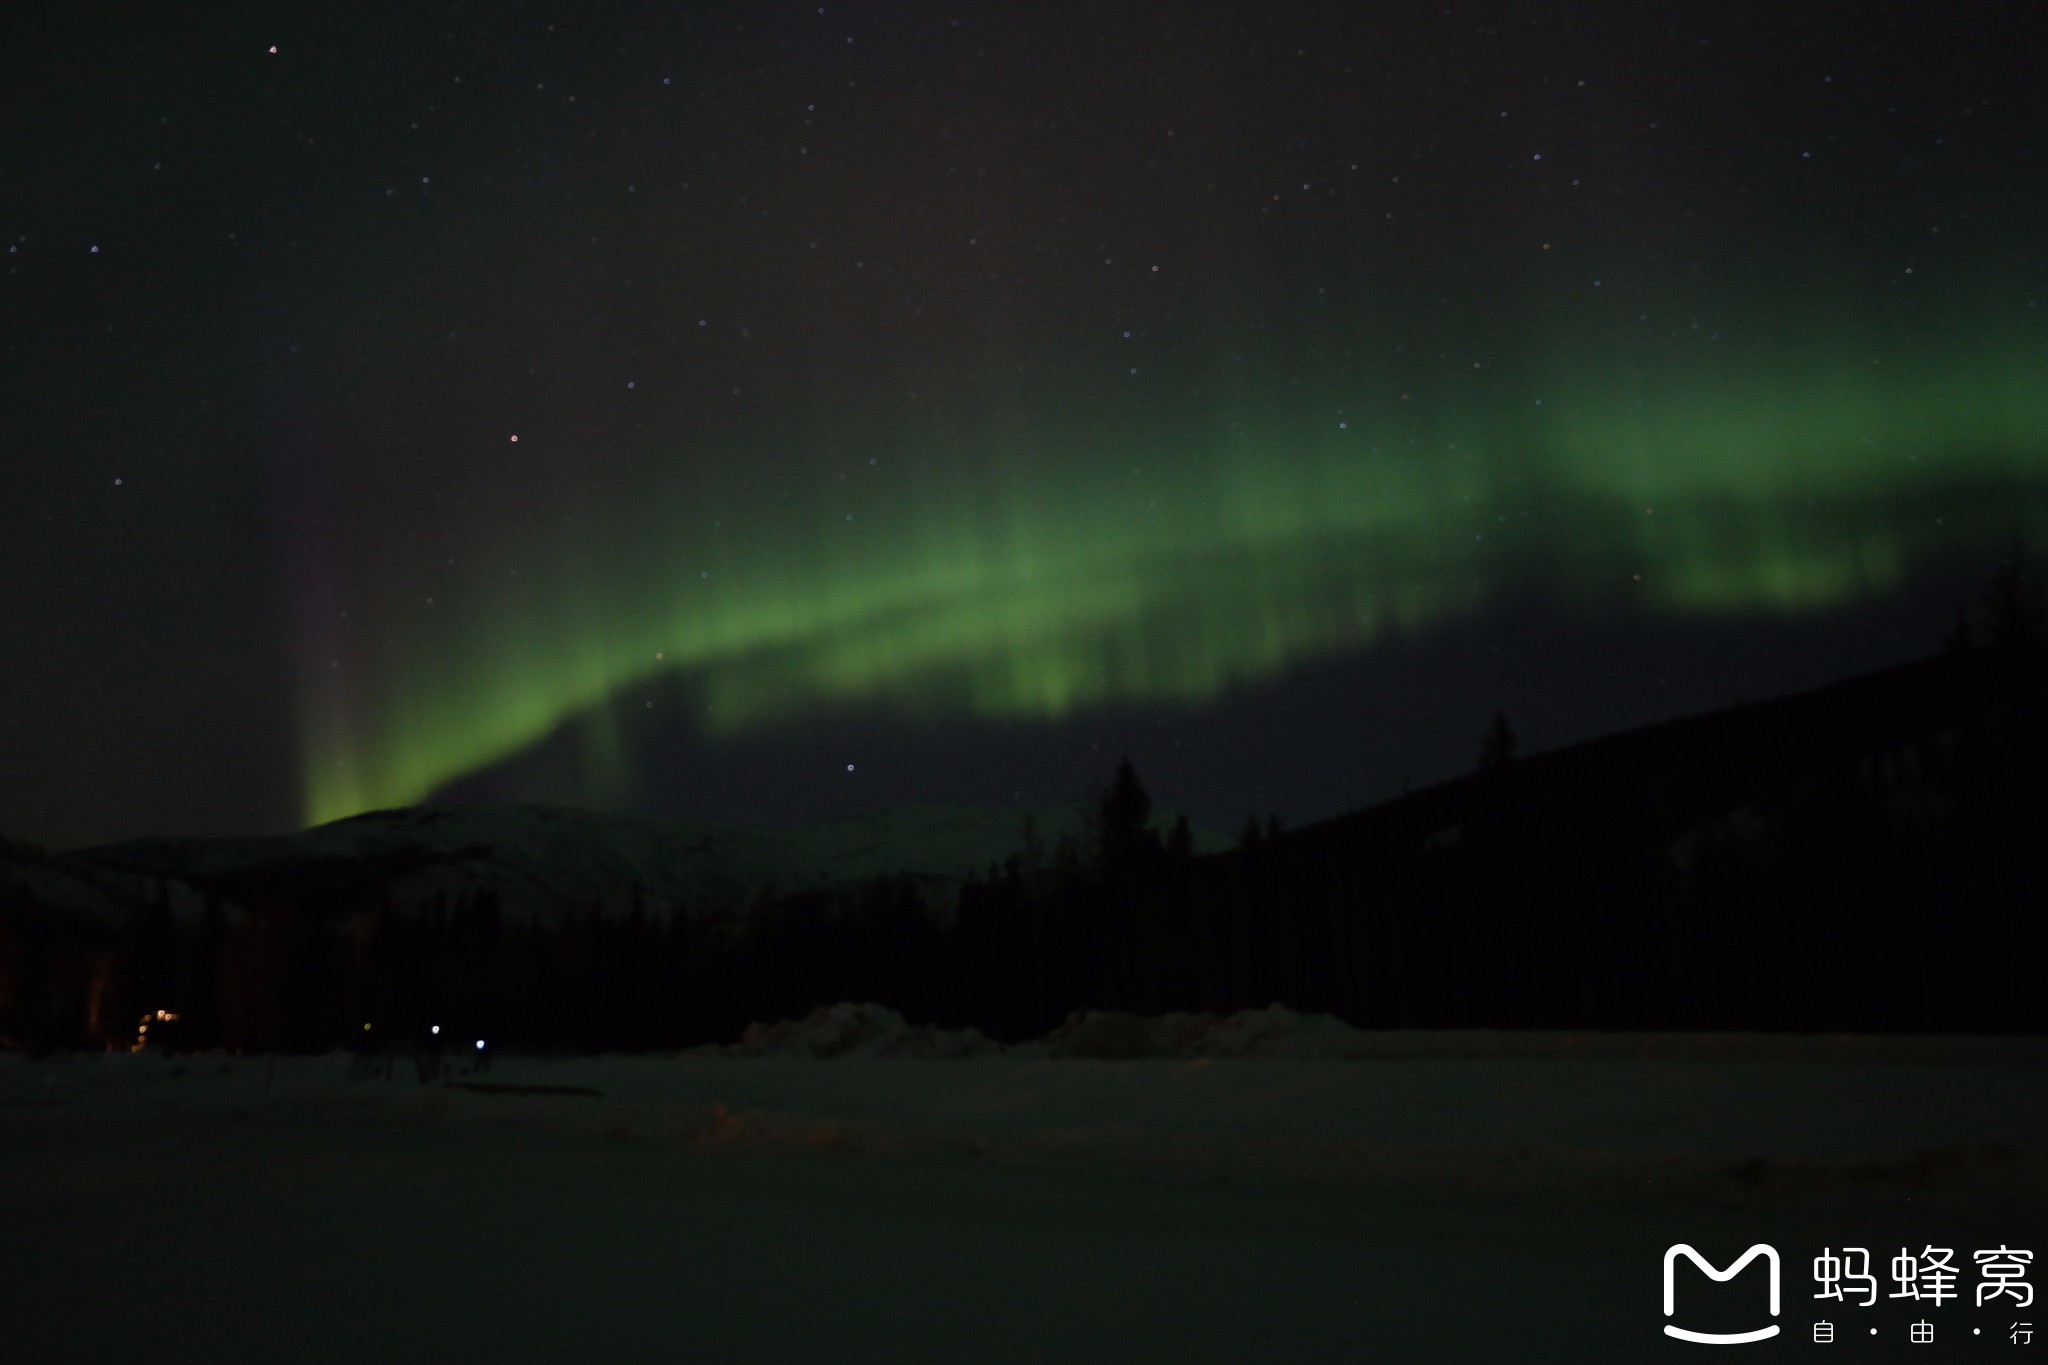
point(1867, 857)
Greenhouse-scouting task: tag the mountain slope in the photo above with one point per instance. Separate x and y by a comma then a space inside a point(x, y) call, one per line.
point(548, 860)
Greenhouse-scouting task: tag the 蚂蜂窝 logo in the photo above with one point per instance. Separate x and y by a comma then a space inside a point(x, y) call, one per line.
point(1671, 1255)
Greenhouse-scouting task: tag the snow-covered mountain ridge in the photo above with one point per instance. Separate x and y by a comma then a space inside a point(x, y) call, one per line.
point(536, 860)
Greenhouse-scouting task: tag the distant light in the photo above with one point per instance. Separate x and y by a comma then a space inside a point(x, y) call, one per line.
point(436, 1029)
point(515, 439)
point(479, 1045)
point(366, 1028)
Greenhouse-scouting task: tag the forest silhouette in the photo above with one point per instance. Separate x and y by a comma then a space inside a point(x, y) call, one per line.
point(1865, 857)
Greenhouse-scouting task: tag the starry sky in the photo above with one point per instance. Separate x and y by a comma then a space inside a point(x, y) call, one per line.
point(763, 411)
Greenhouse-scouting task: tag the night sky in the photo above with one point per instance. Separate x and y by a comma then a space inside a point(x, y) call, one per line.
point(761, 411)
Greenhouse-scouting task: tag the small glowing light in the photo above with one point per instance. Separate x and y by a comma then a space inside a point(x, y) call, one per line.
point(515, 438)
point(366, 1028)
point(479, 1045)
point(436, 1029)
point(849, 767)
point(273, 49)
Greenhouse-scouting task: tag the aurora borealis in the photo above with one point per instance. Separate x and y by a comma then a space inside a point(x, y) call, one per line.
point(475, 379)
point(1051, 594)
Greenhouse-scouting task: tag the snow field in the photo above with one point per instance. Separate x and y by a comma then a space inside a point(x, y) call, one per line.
point(1441, 1197)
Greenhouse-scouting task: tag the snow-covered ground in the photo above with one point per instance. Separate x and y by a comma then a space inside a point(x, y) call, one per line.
point(1420, 1197)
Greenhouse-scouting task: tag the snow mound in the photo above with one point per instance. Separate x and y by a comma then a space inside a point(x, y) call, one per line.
point(1281, 1032)
point(1272, 1032)
point(1108, 1035)
point(850, 1030)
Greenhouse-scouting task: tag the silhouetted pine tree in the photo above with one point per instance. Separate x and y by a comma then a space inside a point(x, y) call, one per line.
point(2013, 638)
point(1251, 834)
point(1497, 747)
point(1123, 826)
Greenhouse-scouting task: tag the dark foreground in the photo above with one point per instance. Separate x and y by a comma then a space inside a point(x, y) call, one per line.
point(1459, 1203)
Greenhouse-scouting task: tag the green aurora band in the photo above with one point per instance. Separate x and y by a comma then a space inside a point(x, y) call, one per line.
point(1173, 567)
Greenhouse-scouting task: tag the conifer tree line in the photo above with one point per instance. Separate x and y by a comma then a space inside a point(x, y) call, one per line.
point(1874, 861)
